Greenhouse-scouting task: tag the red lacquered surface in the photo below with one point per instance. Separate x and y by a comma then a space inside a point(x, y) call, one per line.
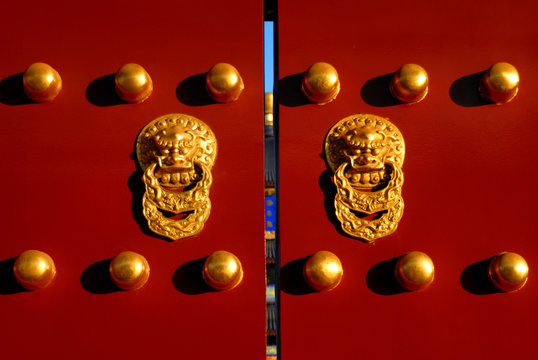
point(70, 185)
point(470, 180)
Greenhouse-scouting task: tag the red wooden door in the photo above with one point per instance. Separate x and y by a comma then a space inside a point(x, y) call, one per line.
point(72, 188)
point(470, 180)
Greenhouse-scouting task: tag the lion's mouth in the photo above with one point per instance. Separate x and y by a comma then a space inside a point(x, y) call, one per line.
point(368, 178)
point(177, 178)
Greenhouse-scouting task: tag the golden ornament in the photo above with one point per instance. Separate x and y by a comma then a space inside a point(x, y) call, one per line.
point(508, 271)
point(414, 271)
point(34, 269)
point(366, 152)
point(176, 151)
point(224, 83)
point(323, 271)
point(133, 83)
point(500, 83)
point(129, 270)
point(41, 82)
point(320, 83)
point(409, 84)
point(222, 270)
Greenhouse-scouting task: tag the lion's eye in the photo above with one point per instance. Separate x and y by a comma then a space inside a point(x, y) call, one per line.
point(376, 151)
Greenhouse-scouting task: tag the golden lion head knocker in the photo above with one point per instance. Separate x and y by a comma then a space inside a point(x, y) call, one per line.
point(366, 153)
point(176, 153)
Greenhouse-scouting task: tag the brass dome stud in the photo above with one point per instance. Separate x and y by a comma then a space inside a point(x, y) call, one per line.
point(323, 271)
point(320, 83)
point(41, 82)
point(500, 83)
point(414, 271)
point(129, 270)
point(409, 84)
point(222, 270)
point(508, 271)
point(133, 83)
point(223, 83)
point(34, 269)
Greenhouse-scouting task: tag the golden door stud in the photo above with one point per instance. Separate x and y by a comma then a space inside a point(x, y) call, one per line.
point(222, 270)
point(414, 271)
point(409, 84)
point(129, 270)
point(323, 271)
point(508, 271)
point(133, 83)
point(34, 269)
point(223, 83)
point(41, 82)
point(500, 83)
point(320, 83)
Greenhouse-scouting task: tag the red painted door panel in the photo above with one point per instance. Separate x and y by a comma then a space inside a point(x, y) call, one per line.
point(71, 187)
point(469, 190)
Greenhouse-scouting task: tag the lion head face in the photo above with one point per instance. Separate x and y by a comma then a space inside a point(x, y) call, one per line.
point(178, 143)
point(365, 150)
point(367, 143)
point(176, 147)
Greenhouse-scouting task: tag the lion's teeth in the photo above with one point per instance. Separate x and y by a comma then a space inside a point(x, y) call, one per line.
point(175, 178)
point(166, 178)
